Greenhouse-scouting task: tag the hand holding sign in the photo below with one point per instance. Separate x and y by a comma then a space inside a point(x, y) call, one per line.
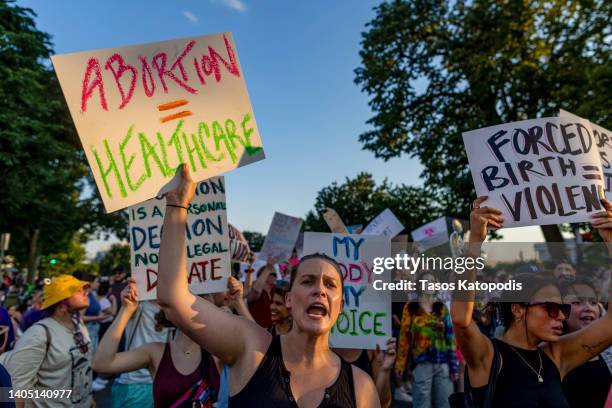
point(481, 218)
point(129, 296)
point(603, 221)
point(183, 194)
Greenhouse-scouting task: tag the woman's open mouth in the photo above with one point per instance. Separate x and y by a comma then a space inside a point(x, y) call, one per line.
point(316, 311)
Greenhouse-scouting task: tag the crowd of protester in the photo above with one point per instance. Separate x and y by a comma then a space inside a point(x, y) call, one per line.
point(264, 342)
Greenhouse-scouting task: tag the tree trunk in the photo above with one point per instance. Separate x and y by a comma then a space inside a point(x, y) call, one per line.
point(554, 239)
point(33, 255)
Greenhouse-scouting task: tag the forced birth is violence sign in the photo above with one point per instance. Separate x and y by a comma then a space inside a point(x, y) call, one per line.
point(539, 171)
point(142, 110)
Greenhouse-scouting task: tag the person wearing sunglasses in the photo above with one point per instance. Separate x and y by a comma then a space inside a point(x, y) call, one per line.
point(55, 353)
point(533, 355)
point(588, 384)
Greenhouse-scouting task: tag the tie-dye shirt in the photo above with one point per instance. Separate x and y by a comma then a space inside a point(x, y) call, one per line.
point(426, 337)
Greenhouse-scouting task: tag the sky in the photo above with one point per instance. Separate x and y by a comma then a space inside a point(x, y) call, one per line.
point(298, 59)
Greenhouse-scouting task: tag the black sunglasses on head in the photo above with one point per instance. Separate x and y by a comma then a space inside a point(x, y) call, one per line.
point(553, 308)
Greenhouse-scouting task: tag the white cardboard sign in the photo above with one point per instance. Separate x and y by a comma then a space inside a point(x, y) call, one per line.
point(385, 224)
point(365, 320)
point(281, 238)
point(207, 244)
point(142, 110)
point(603, 138)
point(538, 171)
point(432, 234)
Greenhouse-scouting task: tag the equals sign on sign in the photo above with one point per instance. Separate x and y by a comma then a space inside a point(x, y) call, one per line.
point(173, 105)
point(595, 173)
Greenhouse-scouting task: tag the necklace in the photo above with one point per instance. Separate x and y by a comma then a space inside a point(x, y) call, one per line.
point(540, 379)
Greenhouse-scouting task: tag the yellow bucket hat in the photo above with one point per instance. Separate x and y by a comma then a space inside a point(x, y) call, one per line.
point(60, 288)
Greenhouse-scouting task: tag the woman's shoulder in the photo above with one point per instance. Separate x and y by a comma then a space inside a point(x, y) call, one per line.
point(367, 395)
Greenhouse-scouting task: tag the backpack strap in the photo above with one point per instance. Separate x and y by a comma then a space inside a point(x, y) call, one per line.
point(48, 335)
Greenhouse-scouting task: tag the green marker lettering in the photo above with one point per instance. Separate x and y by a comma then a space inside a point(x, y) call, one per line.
point(148, 150)
point(126, 166)
point(218, 135)
point(207, 153)
point(112, 168)
point(196, 148)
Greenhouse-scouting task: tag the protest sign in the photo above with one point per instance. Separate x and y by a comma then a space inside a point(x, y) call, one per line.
point(281, 237)
point(365, 320)
point(431, 235)
point(207, 244)
point(385, 223)
point(355, 228)
point(239, 246)
point(538, 171)
point(603, 139)
point(334, 222)
point(142, 110)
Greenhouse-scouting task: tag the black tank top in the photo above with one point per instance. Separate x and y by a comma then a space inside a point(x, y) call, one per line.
point(270, 385)
point(363, 362)
point(587, 385)
point(518, 386)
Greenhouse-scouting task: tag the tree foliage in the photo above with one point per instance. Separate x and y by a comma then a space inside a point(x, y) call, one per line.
point(255, 239)
point(43, 172)
point(434, 69)
point(360, 199)
point(72, 259)
point(118, 254)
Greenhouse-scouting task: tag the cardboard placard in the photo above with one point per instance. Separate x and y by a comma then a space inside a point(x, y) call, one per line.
point(207, 244)
point(538, 171)
point(142, 110)
point(366, 318)
point(281, 238)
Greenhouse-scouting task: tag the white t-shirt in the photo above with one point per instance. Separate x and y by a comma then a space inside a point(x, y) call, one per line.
point(105, 304)
point(62, 367)
point(141, 330)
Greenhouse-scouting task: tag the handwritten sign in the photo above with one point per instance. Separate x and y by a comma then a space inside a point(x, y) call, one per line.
point(239, 246)
point(141, 111)
point(365, 320)
point(603, 139)
point(539, 171)
point(385, 223)
point(432, 234)
point(281, 237)
point(334, 222)
point(207, 245)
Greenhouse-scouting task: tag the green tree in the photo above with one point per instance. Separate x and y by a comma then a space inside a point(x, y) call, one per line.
point(255, 239)
point(359, 200)
point(71, 260)
point(118, 254)
point(47, 194)
point(434, 69)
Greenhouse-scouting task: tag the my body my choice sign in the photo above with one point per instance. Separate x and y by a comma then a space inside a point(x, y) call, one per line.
point(141, 111)
point(207, 241)
point(366, 318)
point(539, 171)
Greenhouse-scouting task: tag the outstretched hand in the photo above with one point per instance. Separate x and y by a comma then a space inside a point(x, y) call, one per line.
point(483, 218)
point(129, 296)
point(182, 194)
point(603, 221)
point(386, 358)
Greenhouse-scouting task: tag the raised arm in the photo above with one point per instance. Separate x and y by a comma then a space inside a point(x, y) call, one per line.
point(107, 360)
point(475, 346)
point(222, 334)
point(576, 348)
point(260, 283)
point(236, 292)
point(381, 372)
